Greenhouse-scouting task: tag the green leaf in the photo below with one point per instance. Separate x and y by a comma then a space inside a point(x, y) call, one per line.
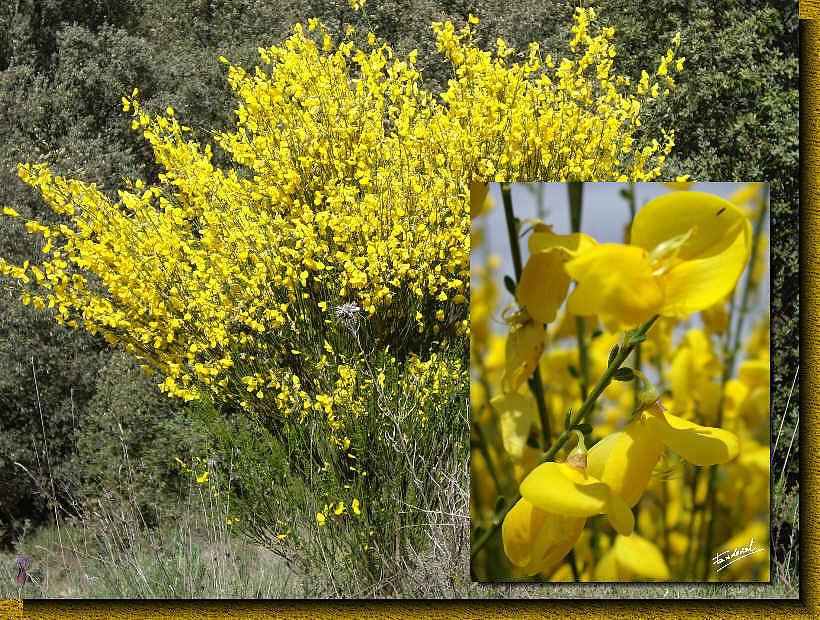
point(568, 420)
point(636, 339)
point(623, 374)
point(499, 504)
point(585, 428)
point(613, 354)
point(509, 285)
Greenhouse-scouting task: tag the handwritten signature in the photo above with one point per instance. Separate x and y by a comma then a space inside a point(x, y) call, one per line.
point(728, 557)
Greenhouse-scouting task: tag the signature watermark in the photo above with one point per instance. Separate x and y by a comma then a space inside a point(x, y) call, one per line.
point(726, 558)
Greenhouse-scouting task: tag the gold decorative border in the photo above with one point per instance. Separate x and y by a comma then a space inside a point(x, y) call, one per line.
point(806, 607)
point(809, 9)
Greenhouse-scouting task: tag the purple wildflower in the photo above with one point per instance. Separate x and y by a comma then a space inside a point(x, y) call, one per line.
point(21, 572)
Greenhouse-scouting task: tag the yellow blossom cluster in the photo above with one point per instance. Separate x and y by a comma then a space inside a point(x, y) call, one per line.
point(541, 119)
point(345, 211)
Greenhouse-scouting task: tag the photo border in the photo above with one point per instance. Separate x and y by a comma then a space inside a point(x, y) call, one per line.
point(806, 605)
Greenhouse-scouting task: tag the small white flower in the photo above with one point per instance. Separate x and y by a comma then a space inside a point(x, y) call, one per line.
point(347, 313)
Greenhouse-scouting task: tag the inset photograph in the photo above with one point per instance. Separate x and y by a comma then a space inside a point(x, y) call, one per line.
point(620, 373)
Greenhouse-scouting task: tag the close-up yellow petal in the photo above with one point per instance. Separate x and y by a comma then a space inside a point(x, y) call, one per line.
point(543, 285)
point(624, 460)
point(563, 489)
point(535, 540)
point(570, 245)
point(525, 344)
point(619, 514)
point(516, 413)
point(616, 283)
point(714, 224)
point(698, 283)
point(638, 557)
point(700, 445)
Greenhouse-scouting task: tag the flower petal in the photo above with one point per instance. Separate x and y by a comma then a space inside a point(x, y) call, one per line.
point(616, 283)
point(715, 242)
point(624, 460)
point(716, 223)
point(570, 245)
point(536, 540)
point(619, 514)
point(566, 490)
point(516, 413)
point(543, 285)
point(638, 556)
point(525, 344)
point(697, 284)
point(700, 445)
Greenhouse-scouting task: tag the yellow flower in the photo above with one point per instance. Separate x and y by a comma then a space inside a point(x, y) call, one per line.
point(687, 252)
point(563, 489)
point(691, 375)
point(556, 499)
point(525, 344)
point(535, 540)
point(624, 460)
point(629, 558)
point(544, 283)
point(516, 413)
point(748, 395)
point(320, 518)
point(679, 185)
point(203, 478)
point(355, 507)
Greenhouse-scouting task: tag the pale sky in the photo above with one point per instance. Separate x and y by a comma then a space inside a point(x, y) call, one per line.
point(604, 215)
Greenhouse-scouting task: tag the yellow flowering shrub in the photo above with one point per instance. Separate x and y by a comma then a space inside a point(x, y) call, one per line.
point(320, 284)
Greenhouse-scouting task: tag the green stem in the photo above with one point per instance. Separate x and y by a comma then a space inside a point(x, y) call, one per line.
point(685, 574)
point(535, 382)
point(747, 289)
point(630, 199)
point(512, 231)
point(537, 387)
point(575, 191)
point(485, 452)
point(631, 339)
point(575, 203)
point(583, 377)
point(576, 577)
